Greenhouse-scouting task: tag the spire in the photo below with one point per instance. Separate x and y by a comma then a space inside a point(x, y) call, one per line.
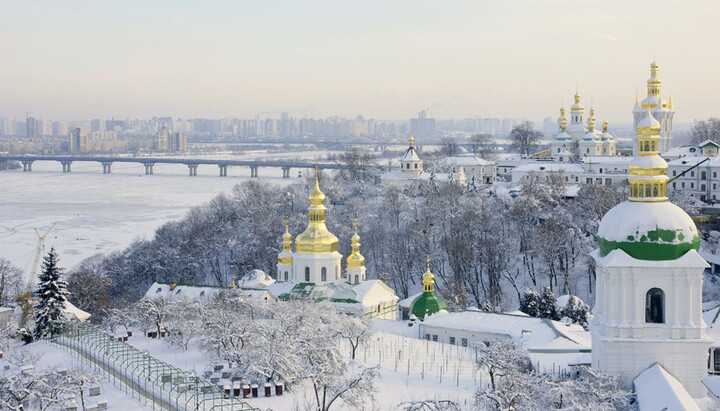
point(670, 104)
point(316, 239)
point(604, 126)
point(355, 259)
point(428, 278)
point(287, 237)
point(317, 197)
point(412, 142)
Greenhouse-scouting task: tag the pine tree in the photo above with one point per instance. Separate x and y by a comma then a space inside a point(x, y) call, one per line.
point(548, 305)
point(51, 294)
point(576, 311)
point(530, 303)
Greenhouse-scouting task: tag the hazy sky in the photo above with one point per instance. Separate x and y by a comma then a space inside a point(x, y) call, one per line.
point(383, 59)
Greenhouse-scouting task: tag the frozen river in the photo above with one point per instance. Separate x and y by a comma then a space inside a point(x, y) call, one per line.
point(98, 213)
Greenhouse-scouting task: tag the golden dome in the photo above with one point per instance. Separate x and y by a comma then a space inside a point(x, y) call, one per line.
point(428, 278)
point(648, 126)
point(355, 259)
point(316, 239)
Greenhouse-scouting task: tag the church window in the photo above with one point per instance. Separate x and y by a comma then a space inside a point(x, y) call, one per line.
point(714, 174)
point(337, 272)
point(652, 146)
point(716, 359)
point(702, 187)
point(647, 191)
point(357, 279)
point(692, 185)
point(588, 150)
point(647, 146)
point(435, 337)
point(655, 306)
point(600, 170)
point(323, 274)
point(673, 185)
point(286, 275)
point(692, 174)
point(307, 274)
point(558, 149)
point(427, 337)
point(416, 166)
point(655, 190)
point(452, 340)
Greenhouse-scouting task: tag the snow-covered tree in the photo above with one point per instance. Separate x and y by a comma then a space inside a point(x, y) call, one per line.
point(354, 330)
point(151, 315)
point(185, 322)
point(576, 311)
point(51, 294)
point(11, 281)
point(34, 390)
point(429, 405)
point(530, 303)
point(548, 305)
point(502, 358)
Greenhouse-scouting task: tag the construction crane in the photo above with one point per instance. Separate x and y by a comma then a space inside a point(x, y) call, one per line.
point(24, 298)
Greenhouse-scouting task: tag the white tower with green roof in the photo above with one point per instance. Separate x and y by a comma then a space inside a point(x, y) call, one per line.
point(648, 301)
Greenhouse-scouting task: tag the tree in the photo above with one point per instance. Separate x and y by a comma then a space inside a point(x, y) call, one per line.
point(530, 303)
point(52, 295)
point(483, 145)
point(705, 130)
point(11, 281)
point(524, 137)
point(548, 305)
point(450, 147)
point(184, 322)
point(355, 330)
point(151, 314)
point(576, 311)
point(89, 288)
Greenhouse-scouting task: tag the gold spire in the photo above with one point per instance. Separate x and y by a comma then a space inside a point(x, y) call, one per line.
point(605, 126)
point(648, 171)
point(670, 104)
point(287, 237)
point(653, 86)
point(412, 142)
point(428, 278)
point(286, 256)
point(355, 259)
point(233, 285)
point(316, 239)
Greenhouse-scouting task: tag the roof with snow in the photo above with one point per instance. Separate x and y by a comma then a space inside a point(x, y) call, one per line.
point(657, 389)
point(467, 160)
point(410, 155)
point(708, 143)
point(255, 279)
point(73, 313)
point(531, 333)
point(339, 293)
point(175, 291)
point(536, 167)
point(619, 160)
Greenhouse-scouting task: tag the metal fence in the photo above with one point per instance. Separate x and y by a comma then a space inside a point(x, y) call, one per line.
point(154, 381)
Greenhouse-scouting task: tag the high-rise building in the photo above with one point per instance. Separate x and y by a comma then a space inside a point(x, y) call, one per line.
point(162, 140)
point(422, 126)
point(178, 142)
point(97, 125)
point(78, 140)
point(31, 127)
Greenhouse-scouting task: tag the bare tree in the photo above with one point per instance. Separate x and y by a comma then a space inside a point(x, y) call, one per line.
point(524, 137)
point(11, 281)
point(450, 147)
point(483, 145)
point(705, 130)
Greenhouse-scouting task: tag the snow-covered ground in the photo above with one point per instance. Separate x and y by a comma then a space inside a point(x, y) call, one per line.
point(98, 213)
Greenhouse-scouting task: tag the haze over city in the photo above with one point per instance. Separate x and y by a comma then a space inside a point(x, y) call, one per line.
point(80, 60)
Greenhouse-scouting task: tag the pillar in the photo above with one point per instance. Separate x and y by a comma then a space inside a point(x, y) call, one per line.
point(27, 165)
point(286, 172)
point(107, 167)
point(192, 169)
point(66, 166)
point(253, 171)
point(148, 168)
point(223, 170)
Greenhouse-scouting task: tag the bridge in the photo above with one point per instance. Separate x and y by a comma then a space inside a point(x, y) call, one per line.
point(191, 163)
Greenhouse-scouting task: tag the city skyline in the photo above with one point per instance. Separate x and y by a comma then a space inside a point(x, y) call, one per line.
point(318, 59)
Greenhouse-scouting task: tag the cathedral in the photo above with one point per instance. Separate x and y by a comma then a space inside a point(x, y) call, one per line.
point(648, 303)
point(663, 111)
point(578, 139)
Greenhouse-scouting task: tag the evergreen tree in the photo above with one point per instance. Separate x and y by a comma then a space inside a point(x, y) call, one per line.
point(530, 303)
point(548, 305)
point(576, 311)
point(51, 294)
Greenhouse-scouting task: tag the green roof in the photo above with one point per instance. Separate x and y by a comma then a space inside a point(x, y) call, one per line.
point(427, 304)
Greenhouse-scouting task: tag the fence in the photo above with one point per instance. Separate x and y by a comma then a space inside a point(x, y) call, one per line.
point(162, 384)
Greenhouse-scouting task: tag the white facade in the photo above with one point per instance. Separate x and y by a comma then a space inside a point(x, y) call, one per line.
point(316, 268)
point(469, 165)
point(543, 172)
point(627, 337)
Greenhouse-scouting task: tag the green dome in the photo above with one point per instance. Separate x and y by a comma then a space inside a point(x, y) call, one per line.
point(426, 304)
point(648, 231)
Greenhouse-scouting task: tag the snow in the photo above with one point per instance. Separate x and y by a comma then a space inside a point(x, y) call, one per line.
point(410, 155)
point(619, 258)
point(467, 160)
point(407, 302)
point(73, 313)
point(168, 292)
point(255, 279)
point(648, 161)
point(638, 218)
point(656, 390)
point(615, 160)
point(98, 213)
point(548, 167)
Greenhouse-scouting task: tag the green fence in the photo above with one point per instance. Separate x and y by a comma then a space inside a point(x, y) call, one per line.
point(154, 381)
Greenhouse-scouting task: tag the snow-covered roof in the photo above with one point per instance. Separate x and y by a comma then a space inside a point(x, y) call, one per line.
point(407, 302)
point(678, 152)
point(75, 314)
point(410, 155)
point(708, 143)
point(532, 333)
point(614, 160)
point(657, 390)
point(564, 167)
point(173, 291)
point(688, 162)
point(619, 258)
point(255, 279)
point(712, 383)
point(340, 292)
point(467, 160)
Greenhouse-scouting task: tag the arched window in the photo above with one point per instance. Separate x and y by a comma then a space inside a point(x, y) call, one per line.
point(357, 280)
point(652, 146)
point(655, 190)
point(323, 274)
point(647, 146)
point(647, 191)
point(655, 306)
point(307, 274)
point(286, 275)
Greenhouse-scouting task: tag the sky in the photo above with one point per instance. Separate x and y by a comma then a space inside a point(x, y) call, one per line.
point(384, 59)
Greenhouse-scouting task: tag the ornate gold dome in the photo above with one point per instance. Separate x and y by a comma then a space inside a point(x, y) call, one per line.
point(316, 239)
point(355, 259)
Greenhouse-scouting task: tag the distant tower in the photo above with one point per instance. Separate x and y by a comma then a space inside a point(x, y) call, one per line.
point(663, 114)
point(576, 128)
point(355, 261)
point(285, 258)
point(648, 301)
point(78, 141)
point(410, 162)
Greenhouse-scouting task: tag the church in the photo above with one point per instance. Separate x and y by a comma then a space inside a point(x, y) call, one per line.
point(648, 305)
point(576, 139)
point(314, 269)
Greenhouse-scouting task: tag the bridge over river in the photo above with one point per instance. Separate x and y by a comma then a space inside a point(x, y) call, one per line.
point(191, 163)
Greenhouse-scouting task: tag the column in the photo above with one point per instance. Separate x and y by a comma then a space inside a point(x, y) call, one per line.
point(27, 165)
point(107, 167)
point(286, 172)
point(149, 168)
point(223, 170)
point(66, 166)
